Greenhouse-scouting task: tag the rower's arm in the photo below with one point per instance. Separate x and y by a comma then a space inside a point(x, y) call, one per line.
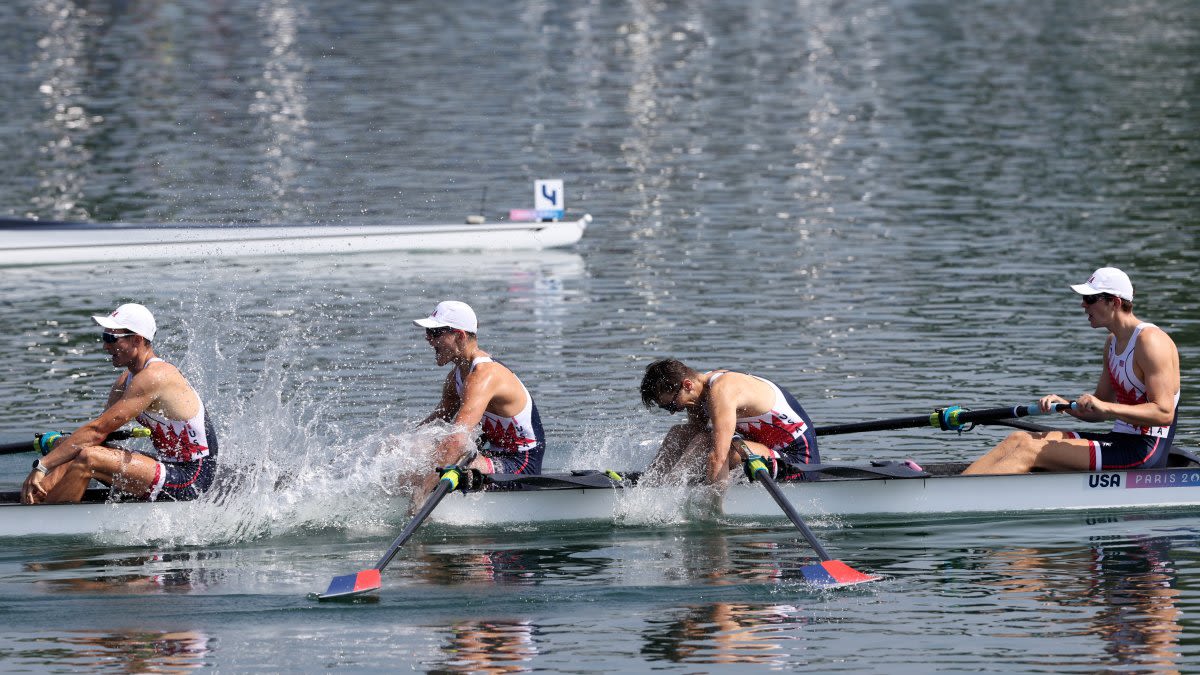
point(118, 389)
point(447, 407)
point(723, 400)
point(1158, 359)
point(140, 393)
point(479, 389)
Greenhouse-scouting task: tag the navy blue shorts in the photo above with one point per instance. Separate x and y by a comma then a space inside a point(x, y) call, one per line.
point(510, 464)
point(183, 481)
point(1112, 451)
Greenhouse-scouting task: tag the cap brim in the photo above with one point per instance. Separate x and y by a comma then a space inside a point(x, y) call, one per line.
point(429, 323)
point(1084, 289)
point(107, 322)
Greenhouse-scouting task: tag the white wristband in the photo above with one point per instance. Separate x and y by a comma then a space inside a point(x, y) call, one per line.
point(41, 468)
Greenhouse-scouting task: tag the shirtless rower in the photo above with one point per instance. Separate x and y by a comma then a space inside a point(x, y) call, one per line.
point(480, 391)
point(1138, 390)
point(720, 404)
point(154, 393)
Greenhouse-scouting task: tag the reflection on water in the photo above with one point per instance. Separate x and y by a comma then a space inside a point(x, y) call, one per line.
point(1128, 584)
point(722, 633)
point(687, 554)
point(131, 651)
point(66, 124)
point(281, 108)
point(165, 572)
point(494, 646)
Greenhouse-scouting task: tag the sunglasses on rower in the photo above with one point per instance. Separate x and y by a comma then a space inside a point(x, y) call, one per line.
point(111, 338)
point(432, 333)
point(1092, 299)
point(673, 406)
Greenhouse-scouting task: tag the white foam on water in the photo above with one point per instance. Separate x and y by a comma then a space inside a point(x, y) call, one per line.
point(666, 500)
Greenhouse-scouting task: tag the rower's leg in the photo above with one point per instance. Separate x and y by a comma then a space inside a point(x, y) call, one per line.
point(674, 445)
point(126, 471)
point(1022, 452)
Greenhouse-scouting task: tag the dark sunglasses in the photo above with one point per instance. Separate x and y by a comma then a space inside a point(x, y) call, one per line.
point(673, 406)
point(110, 338)
point(432, 333)
point(1091, 299)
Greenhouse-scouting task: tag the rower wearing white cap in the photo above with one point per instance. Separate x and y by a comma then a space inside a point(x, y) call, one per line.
point(480, 391)
point(154, 393)
point(1138, 390)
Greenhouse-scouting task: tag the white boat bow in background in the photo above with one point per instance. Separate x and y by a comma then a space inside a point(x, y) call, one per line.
point(28, 242)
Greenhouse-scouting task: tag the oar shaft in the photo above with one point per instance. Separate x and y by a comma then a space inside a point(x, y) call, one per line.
point(444, 486)
point(943, 418)
point(28, 446)
point(764, 477)
point(14, 448)
point(876, 425)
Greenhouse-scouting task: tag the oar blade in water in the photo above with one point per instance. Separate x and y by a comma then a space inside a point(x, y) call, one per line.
point(835, 574)
point(349, 586)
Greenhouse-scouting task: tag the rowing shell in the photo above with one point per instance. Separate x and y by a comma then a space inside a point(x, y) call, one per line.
point(26, 242)
point(894, 491)
point(880, 490)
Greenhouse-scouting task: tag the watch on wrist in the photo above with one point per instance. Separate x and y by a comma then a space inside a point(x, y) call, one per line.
point(39, 467)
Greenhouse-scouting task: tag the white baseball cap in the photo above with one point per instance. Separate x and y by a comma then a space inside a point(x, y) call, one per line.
point(451, 314)
point(1107, 280)
point(131, 316)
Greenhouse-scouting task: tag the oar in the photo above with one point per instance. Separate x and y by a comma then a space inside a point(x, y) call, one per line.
point(830, 573)
point(31, 446)
point(349, 586)
point(953, 418)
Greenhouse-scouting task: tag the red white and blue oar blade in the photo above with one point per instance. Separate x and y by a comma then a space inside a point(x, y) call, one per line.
point(351, 586)
point(835, 574)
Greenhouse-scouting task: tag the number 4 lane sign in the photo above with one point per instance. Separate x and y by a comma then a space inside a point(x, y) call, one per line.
point(549, 198)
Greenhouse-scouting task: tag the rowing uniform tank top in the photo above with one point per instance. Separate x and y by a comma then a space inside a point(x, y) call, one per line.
point(176, 440)
point(517, 437)
point(1129, 389)
point(784, 425)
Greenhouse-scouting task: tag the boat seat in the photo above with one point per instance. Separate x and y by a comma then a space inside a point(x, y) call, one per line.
point(1182, 458)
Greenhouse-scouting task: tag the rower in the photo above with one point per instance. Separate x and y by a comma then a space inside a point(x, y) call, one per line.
point(480, 392)
point(1138, 390)
point(766, 417)
point(154, 393)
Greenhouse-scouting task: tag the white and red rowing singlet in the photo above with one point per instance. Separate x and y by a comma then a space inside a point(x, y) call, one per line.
point(176, 440)
point(510, 436)
point(1129, 389)
point(784, 425)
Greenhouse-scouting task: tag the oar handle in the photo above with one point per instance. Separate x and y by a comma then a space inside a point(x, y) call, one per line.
point(955, 417)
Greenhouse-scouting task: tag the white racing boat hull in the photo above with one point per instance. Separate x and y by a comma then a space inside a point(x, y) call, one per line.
point(34, 243)
point(612, 503)
point(884, 497)
point(18, 520)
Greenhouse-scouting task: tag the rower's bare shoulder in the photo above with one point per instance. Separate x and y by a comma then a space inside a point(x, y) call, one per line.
point(487, 376)
point(159, 371)
point(1155, 341)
